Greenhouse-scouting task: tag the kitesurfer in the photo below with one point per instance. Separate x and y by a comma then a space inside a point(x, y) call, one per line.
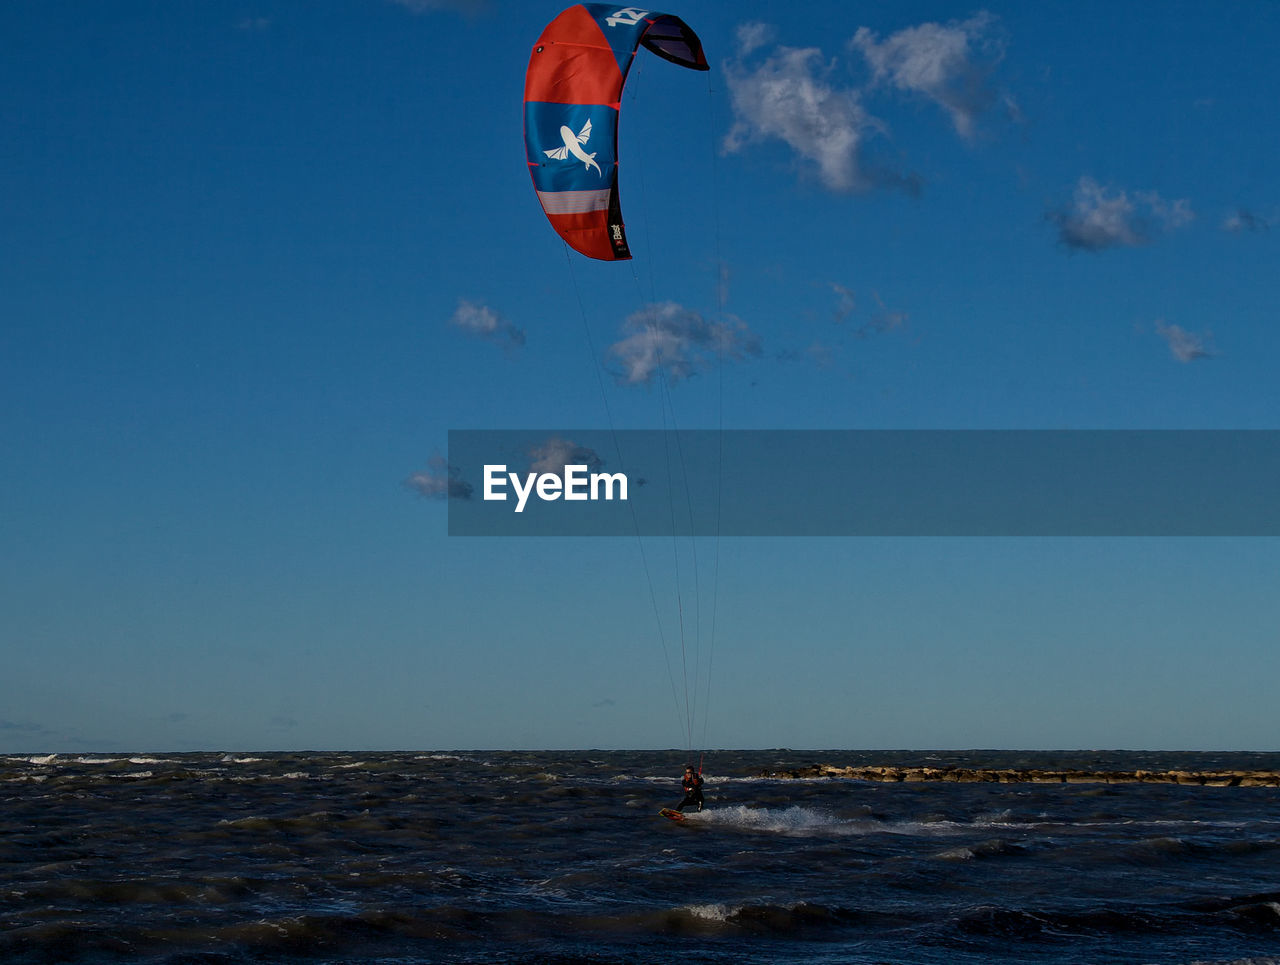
point(692, 789)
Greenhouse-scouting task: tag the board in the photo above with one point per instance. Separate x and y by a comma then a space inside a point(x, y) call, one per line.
point(672, 814)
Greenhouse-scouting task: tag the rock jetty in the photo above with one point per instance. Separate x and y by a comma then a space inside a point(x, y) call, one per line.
point(974, 775)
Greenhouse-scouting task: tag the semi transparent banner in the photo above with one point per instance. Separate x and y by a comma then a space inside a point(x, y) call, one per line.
point(593, 482)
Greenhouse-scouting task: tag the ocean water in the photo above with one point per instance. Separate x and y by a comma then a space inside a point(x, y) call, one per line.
point(559, 858)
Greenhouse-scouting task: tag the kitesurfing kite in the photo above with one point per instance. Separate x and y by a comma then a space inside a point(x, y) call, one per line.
point(572, 95)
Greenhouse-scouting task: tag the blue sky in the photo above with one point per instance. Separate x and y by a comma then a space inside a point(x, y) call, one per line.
point(256, 259)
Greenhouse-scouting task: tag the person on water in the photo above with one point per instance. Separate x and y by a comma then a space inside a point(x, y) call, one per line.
point(692, 789)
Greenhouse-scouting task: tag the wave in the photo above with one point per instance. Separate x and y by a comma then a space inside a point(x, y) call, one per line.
point(459, 758)
point(995, 848)
point(401, 931)
point(794, 820)
point(241, 917)
point(40, 759)
point(802, 821)
point(770, 917)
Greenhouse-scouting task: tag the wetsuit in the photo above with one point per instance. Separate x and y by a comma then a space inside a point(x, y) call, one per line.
point(692, 793)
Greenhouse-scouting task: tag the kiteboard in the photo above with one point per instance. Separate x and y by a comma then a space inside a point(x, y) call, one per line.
point(671, 813)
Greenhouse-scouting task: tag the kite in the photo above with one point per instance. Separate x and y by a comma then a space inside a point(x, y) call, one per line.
point(572, 98)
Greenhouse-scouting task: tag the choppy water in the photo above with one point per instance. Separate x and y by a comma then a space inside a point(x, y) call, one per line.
point(561, 858)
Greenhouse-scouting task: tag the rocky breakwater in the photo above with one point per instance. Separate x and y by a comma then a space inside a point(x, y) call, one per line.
point(973, 775)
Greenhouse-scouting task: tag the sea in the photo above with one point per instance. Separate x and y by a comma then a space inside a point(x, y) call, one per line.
point(562, 858)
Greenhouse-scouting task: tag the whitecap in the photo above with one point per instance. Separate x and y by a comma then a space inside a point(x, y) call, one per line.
point(794, 820)
point(441, 756)
point(715, 912)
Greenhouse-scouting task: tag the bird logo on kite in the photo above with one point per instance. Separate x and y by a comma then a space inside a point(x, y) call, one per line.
point(572, 144)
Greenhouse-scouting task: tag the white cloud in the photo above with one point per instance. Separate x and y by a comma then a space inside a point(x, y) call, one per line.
point(1242, 220)
point(1171, 214)
point(483, 321)
point(440, 481)
point(754, 35)
point(1185, 346)
point(884, 320)
point(1097, 220)
point(791, 96)
point(677, 342)
point(1100, 218)
point(556, 453)
point(948, 64)
point(847, 303)
point(787, 97)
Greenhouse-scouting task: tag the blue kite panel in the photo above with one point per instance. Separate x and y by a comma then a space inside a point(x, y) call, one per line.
point(581, 138)
point(622, 27)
